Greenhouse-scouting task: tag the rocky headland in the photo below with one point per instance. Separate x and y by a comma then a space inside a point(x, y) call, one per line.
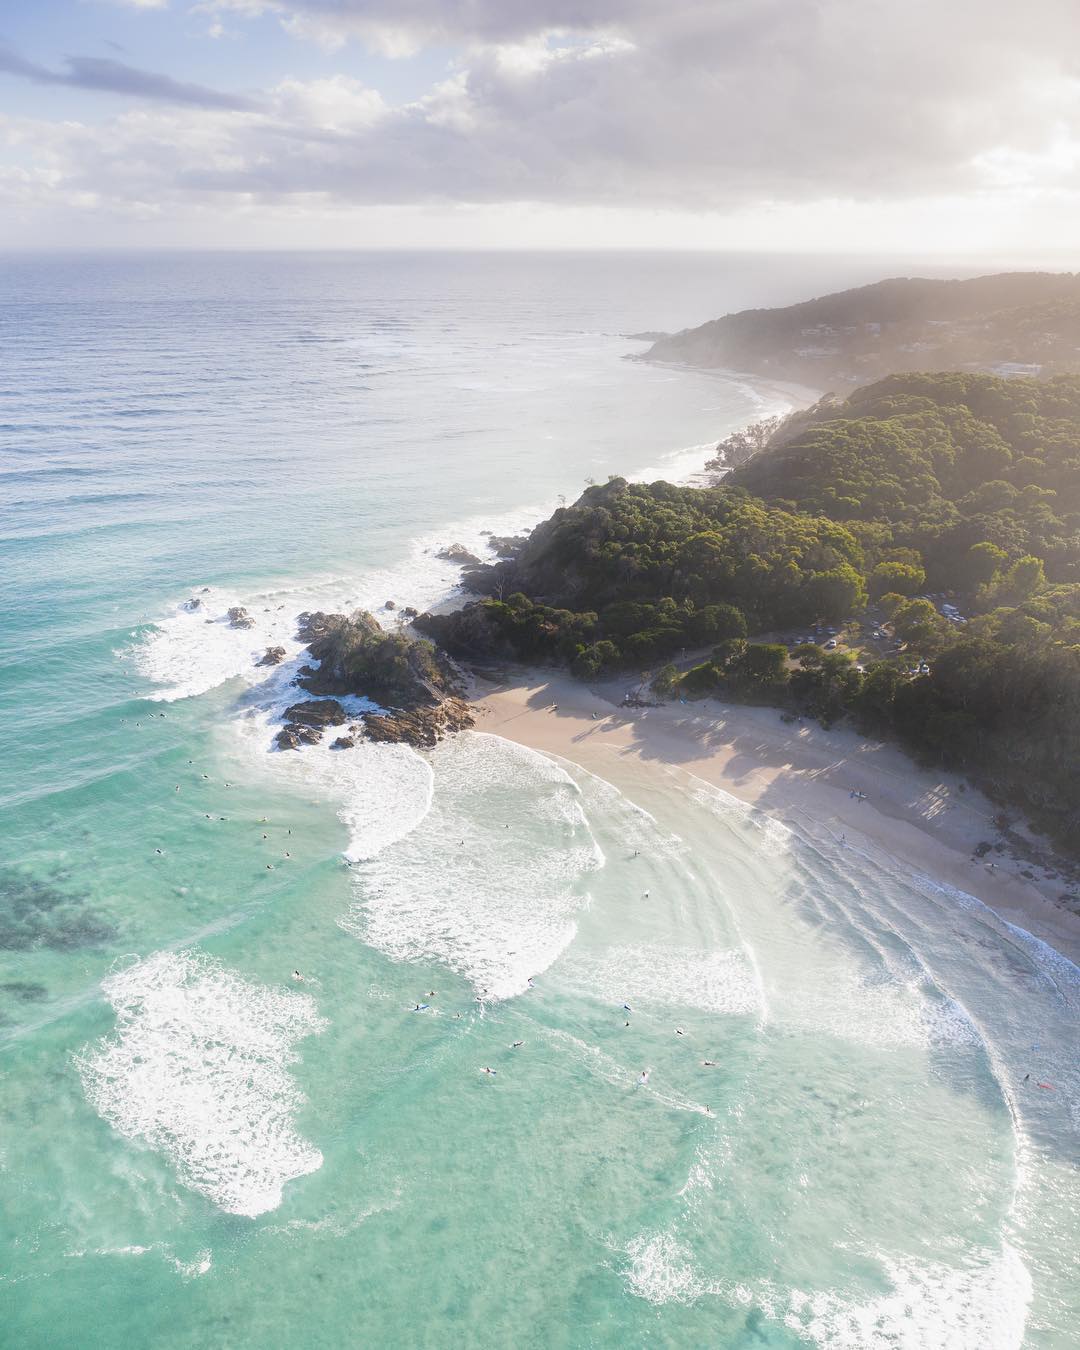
point(418, 689)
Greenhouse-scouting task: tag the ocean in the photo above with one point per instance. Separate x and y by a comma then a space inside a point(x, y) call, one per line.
point(199, 1149)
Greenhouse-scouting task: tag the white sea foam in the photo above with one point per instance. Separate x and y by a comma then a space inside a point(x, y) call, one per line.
point(197, 1069)
point(456, 891)
point(979, 1305)
point(661, 1270)
point(381, 792)
point(982, 1305)
point(190, 651)
point(718, 982)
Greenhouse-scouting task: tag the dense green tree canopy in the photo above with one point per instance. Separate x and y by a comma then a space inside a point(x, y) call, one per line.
point(965, 484)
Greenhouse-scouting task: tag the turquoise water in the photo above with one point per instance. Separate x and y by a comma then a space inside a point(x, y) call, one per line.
point(196, 1148)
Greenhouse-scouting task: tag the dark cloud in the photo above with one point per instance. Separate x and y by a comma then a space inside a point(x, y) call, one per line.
point(114, 77)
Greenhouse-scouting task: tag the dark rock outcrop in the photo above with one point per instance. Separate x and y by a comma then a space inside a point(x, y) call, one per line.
point(422, 727)
point(319, 712)
point(390, 605)
point(507, 545)
point(458, 553)
point(193, 604)
point(418, 686)
point(409, 612)
point(273, 656)
point(240, 618)
point(293, 736)
point(315, 624)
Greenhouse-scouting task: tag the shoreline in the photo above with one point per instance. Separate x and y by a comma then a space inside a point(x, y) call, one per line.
point(922, 819)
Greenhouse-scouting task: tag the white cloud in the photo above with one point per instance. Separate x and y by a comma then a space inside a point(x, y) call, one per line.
point(704, 106)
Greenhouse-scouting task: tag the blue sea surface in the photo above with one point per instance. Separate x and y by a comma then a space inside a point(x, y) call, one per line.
point(198, 1148)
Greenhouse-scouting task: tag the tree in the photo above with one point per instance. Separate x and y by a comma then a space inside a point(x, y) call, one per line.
point(835, 594)
point(714, 623)
point(896, 578)
point(1026, 576)
point(917, 622)
point(667, 677)
point(759, 663)
point(979, 565)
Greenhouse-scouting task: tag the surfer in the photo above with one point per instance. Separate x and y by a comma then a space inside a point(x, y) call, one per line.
point(679, 1031)
point(708, 1063)
point(493, 1072)
point(644, 1078)
point(517, 1045)
point(296, 975)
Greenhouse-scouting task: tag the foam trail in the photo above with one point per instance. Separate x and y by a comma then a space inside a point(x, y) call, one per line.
point(197, 1069)
point(453, 891)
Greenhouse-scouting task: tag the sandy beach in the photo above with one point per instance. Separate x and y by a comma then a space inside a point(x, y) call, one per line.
point(796, 772)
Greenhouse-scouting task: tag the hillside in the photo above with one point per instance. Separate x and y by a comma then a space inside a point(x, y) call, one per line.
point(966, 487)
point(992, 323)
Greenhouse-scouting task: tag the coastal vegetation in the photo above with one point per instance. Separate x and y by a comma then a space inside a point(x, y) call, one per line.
point(938, 516)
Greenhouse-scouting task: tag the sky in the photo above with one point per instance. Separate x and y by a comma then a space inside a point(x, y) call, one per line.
point(938, 127)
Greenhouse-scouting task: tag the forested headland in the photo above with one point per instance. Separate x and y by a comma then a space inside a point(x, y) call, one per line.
point(1009, 321)
point(932, 521)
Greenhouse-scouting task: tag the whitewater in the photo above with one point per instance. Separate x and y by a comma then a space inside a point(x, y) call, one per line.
point(247, 997)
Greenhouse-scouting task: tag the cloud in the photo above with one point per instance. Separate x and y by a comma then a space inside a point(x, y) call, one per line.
point(104, 75)
point(695, 105)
